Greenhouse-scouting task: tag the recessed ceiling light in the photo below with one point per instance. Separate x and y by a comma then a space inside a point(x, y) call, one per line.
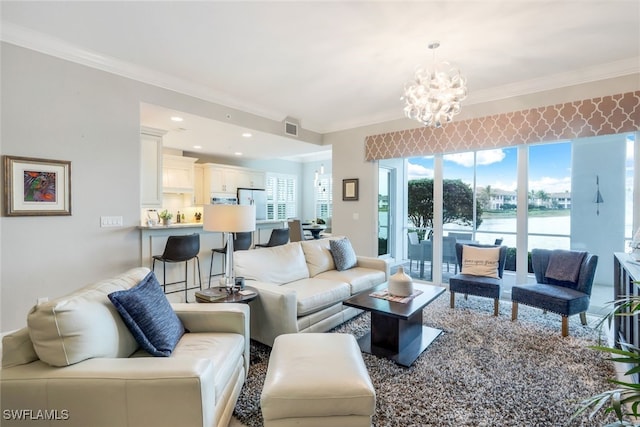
point(247, 135)
point(176, 119)
point(197, 147)
point(237, 153)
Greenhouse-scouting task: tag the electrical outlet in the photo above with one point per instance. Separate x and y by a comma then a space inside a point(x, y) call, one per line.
point(111, 221)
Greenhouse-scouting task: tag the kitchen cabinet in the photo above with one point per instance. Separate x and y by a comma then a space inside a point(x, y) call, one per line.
point(178, 174)
point(227, 179)
point(251, 179)
point(198, 184)
point(151, 167)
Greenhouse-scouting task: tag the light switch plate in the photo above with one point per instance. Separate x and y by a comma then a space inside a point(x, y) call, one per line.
point(111, 221)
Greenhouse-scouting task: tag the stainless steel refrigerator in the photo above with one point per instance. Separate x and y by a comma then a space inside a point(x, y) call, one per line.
point(253, 196)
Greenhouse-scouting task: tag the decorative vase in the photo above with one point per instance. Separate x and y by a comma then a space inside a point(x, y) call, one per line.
point(400, 284)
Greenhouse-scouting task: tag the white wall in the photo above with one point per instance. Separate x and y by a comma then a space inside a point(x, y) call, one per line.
point(601, 234)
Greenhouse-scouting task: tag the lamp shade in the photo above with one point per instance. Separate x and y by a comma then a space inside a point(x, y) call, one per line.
point(229, 218)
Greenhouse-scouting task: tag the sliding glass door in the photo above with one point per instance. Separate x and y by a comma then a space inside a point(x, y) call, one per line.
point(386, 241)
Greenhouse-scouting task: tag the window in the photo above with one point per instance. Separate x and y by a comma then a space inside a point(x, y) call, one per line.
point(549, 200)
point(281, 196)
point(324, 198)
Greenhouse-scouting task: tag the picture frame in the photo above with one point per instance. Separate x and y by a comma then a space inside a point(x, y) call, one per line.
point(350, 189)
point(36, 187)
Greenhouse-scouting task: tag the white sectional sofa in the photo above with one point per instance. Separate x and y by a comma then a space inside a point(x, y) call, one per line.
point(77, 362)
point(300, 289)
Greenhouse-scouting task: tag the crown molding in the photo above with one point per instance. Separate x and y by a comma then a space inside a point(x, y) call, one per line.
point(34, 40)
point(591, 74)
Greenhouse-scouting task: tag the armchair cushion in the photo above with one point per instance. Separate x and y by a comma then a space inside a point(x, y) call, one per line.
point(478, 261)
point(343, 254)
point(17, 349)
point(556, 299)
point(488, 287)
point(147, 313)
point(84, 324)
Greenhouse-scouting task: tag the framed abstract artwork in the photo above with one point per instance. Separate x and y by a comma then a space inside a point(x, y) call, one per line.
point(350, 189)
point(36, 186)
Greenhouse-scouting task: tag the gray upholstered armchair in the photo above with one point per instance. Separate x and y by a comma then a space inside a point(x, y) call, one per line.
point(481, 286)
point(551, 293)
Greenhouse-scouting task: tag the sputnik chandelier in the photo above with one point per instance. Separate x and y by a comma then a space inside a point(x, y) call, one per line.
point(433, 96)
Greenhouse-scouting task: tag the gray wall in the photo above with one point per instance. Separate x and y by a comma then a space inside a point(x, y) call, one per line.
point(56, 109)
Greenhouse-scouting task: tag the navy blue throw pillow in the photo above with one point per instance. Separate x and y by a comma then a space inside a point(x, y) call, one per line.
point(147, 313)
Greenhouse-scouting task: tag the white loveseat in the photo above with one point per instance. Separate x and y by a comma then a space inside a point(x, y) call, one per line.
point(300, 289)
point(76, 362)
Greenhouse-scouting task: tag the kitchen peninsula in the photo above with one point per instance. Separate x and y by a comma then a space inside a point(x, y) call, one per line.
point(154, 239)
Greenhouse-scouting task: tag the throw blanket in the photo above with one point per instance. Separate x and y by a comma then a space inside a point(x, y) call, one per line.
point(564, 265)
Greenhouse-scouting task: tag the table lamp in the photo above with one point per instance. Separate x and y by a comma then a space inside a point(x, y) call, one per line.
point(229, 219)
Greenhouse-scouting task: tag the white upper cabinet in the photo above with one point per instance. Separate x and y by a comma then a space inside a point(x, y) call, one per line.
point(178, 174)
point(151, 167)
point(227, 179)
point(198, 184)
point(251, 179)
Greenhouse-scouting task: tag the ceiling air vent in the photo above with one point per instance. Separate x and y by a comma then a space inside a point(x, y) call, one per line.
point(291, 126)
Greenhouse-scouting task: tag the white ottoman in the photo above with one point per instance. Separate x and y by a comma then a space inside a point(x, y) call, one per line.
point(317, 379)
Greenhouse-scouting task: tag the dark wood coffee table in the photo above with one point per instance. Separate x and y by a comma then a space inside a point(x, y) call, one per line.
point(397, 332)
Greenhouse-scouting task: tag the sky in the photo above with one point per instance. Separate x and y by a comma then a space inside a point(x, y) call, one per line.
point(549, 167)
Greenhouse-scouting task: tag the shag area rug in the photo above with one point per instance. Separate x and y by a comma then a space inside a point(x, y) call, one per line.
point(481, 371)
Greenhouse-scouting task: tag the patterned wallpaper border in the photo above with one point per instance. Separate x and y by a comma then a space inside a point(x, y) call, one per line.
point(590, 117)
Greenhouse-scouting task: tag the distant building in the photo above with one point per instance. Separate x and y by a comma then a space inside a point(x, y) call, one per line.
point(499, 198)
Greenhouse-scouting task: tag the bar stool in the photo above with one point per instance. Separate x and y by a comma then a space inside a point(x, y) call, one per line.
point(241, 242)
point(180, 249)
point(279, 236)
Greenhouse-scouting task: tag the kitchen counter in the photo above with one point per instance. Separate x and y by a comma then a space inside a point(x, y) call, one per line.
point(171, 226)
point(263, 222)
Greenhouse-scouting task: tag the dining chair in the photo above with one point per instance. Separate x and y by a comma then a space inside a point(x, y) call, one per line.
point(296, 233)
point(415, 249)
point(449, 252)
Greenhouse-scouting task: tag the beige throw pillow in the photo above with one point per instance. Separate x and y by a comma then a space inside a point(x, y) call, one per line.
point(480, 261)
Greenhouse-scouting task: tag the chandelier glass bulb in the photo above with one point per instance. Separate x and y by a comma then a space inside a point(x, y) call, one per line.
point(433, 96)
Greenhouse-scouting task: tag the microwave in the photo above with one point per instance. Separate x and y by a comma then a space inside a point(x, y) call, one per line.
point(224, 199)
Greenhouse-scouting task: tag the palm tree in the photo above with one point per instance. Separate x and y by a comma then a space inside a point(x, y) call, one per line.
point(543, 196)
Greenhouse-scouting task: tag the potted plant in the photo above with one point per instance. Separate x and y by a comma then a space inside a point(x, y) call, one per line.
point(624, 400)
point(165, 216)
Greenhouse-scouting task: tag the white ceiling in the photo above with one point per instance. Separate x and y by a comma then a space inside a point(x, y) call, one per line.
point(333, 65)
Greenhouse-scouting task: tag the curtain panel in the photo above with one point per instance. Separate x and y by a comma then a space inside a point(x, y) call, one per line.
point(578, 119)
